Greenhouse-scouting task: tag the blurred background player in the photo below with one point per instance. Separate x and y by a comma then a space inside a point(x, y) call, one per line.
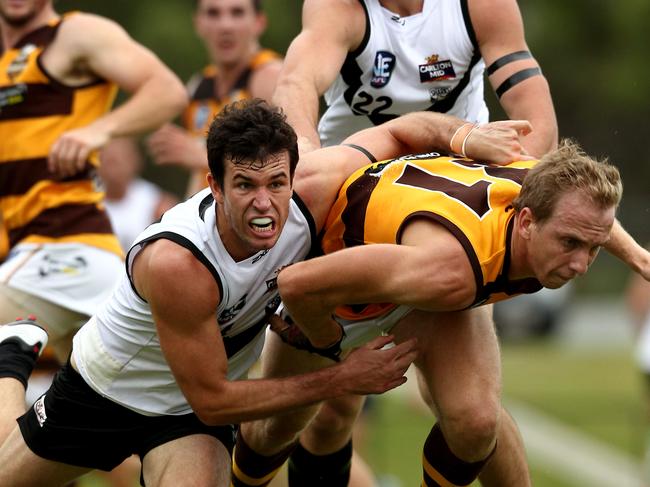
point(64, 258)
point(239, 69)
point(132, 202)
point(58, 79)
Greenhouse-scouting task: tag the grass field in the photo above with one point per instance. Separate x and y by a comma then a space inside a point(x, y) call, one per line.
point(597, 392)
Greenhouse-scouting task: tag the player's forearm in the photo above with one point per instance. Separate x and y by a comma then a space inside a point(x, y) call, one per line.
point(623, 246)
point(424, 131)
point(532, 102)
point(157, 101)
point(300, 102)
point(247, 400)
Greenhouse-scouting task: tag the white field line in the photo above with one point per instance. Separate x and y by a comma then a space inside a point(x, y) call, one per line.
point(553, 446)
point(570, 454)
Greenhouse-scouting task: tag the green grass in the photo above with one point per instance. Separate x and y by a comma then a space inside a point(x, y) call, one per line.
point(597, 392)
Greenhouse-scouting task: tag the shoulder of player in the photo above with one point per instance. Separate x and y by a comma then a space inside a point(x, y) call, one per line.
point(164, 265)
point(489, 17)
point(263, 79)
point(81, 32)
point(327, 15)
point(319, 177)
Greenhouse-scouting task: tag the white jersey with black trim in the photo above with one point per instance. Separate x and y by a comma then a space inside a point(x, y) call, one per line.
point(427, 61)
point(118, 352)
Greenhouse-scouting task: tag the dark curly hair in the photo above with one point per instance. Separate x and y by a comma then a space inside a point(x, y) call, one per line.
point(249, 132)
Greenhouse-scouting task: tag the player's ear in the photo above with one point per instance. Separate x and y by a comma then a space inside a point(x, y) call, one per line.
point(260, 23)
point(525, 222)
point(217, 193)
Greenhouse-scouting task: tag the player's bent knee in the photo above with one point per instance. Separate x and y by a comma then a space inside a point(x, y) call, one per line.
point(472, 435)
point(337, 416)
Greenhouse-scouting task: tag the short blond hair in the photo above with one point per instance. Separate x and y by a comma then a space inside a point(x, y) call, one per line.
point(568, 168)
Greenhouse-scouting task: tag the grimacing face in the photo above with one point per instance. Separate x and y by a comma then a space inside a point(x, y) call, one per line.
point(253, 206)
point(564, 246)
point(229, 28)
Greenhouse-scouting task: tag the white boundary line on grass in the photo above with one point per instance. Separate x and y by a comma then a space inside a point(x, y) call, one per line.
point(570, 454)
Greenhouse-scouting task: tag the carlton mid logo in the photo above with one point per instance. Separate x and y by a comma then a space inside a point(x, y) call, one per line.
point(436, 70)
point(382, 69)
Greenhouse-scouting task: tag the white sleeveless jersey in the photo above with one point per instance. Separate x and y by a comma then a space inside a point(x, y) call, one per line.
point(427, 61)
point(118, 352)
point(133, 213)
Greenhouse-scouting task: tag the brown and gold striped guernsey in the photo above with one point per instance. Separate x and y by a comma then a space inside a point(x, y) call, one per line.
point(471, 200)
point(35, 110)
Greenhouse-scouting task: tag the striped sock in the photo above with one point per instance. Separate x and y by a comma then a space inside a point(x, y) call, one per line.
point(250, 469)
point(441, 468)
point(332, 470)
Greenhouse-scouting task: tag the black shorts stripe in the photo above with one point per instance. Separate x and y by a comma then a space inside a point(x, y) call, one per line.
point(517, 78)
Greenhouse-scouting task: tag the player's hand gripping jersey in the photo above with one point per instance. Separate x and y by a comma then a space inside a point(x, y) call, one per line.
point(471, 200)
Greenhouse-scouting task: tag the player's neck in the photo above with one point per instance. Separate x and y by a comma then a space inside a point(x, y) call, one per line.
point(403, 8)
point(229, 74)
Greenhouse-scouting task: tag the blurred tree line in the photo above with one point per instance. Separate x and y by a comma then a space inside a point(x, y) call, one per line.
point(593, 53)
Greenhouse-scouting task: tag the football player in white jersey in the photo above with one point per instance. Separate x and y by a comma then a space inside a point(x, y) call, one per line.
point(155, 371)
point(377, 59)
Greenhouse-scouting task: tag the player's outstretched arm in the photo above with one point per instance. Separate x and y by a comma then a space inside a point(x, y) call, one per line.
point(622, 245)
point(331, 28)
point(431, 272)
point(103, 50)
point(513, 72)
point(192, 344)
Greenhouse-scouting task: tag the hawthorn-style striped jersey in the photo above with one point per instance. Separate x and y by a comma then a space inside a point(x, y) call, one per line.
point(471, 200)
point(35, 109)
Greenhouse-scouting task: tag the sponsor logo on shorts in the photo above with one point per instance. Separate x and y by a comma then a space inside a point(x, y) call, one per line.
point(39, 409)
point(435, 69)
point(51, 265)
point(382, 69)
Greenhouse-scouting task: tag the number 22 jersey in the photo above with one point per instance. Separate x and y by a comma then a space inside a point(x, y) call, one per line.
point(426, 61)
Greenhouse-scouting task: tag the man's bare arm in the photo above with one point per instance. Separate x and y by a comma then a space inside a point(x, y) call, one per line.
point(102, 49)
point(430, 272)
point(193, 347)
point(529, 99)
point(321, 173)
point(331, 28)
point(622, 245)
